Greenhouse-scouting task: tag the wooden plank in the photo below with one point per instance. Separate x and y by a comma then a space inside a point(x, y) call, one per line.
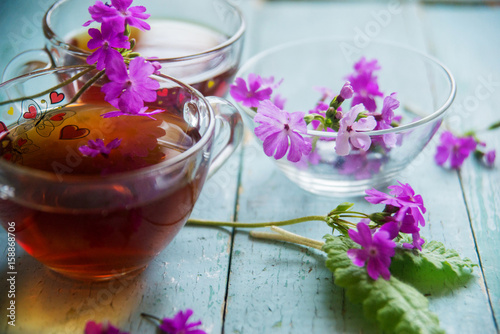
point(286, 288)
point(475, 107)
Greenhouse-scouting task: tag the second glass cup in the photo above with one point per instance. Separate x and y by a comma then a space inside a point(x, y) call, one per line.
point(196, 41)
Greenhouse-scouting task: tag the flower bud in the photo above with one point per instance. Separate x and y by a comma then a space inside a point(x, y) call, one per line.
point(346, 92)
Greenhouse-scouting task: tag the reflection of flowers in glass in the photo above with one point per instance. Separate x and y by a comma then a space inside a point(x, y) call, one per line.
point(179, 324)
point(119, 13)
point(377, 250)
point(281, 131)
point(454, 149)
point(94, 148)
point(255, 92)
point(351, 131)
point(358, 165)
point(142, 138)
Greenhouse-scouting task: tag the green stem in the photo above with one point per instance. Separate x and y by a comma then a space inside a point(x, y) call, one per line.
point(62, 84)
point(254, 225)
point(85, 87)
point(145, 315)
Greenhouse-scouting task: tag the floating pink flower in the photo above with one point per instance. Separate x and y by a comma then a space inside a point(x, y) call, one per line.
point(281, 132)
point(454, 149)
point(104, 42)
point(130, 89)
point(179, 324)
point(351, 131)
point(385, 118)
point(119, 13)
point(252, 95)
point(94, 148)
point(376, 251)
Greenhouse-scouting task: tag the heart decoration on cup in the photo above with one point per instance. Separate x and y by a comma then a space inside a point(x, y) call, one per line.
point(56, 97)
point(73, 132)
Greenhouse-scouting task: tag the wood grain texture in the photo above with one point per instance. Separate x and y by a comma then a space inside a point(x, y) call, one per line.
point(473, 58)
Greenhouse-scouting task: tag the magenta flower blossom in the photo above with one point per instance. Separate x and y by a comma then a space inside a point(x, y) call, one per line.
point(281, 131)
point(94, 328)
point(252, 95)
point(408, 210)
point(364, 83)
point(401, 196)
point(119, 13)
point(351, 132)
point(364, 65)
point(94, 148)
point(489, 157)
point(179, 324)
point(455, 149)
point(376, 251)
point(130, 89)
point(104, 43)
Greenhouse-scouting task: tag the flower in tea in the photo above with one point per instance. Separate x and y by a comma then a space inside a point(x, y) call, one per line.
point(351, 131)
point(281, 131)
point(96, 328)
point(454, 149)
point(94, 148)
point(120, 14)
point(256, 91)
point(129, 89)
point(179, 324)
point(105, 42)
point(376, 252)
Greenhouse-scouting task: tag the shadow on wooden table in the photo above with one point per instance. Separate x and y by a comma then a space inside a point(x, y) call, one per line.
point(46, 302)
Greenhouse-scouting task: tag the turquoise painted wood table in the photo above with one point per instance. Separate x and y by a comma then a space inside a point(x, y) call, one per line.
point(237, 284)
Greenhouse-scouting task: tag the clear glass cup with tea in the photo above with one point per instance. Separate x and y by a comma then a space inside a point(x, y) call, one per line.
point(105, 216)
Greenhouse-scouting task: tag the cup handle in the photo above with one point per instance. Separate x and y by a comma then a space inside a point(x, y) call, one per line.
point(229, 125)
point(26, 62)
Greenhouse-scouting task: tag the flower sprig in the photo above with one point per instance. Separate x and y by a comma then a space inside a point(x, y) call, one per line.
point(378, 246)
point(282, 131)
point(129, 74)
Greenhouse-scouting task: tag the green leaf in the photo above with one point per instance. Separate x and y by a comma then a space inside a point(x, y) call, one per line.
point(396, 306)
point(432, 270)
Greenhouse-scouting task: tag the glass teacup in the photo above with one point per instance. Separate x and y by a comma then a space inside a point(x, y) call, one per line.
point(104, 216)
point(196, 41)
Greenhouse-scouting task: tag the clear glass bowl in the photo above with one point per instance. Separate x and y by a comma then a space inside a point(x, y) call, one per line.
point(425, 88)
